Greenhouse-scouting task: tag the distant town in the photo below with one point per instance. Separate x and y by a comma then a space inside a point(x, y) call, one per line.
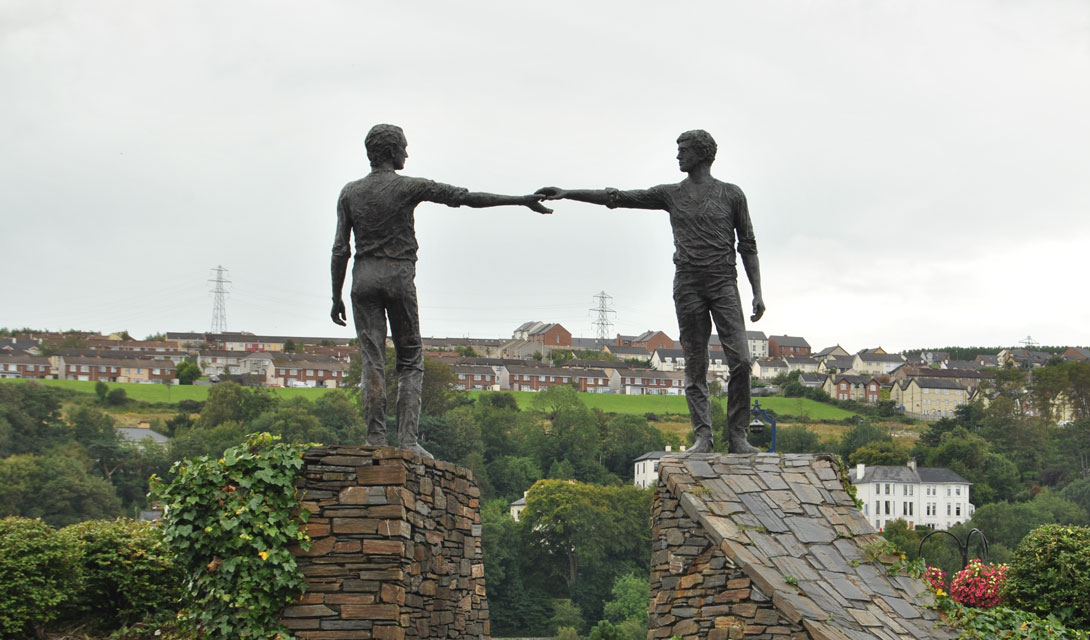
point(922, 384)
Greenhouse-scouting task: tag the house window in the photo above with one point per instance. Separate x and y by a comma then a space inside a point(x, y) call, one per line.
point(887, 508)
point(957, 509)
point(947, 509)
point(887, 489)
point(957, 491)
point(947, 492)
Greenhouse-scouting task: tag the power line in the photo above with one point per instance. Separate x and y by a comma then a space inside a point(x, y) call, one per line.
point(602, 326)
point(219, 303)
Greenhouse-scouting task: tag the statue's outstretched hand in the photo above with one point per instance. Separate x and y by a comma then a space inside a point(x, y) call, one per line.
point(338, 313)
point(758, 308)
point(533, 201)
point(552, 193)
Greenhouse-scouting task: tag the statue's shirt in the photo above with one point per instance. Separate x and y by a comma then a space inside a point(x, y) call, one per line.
point(379, 209)
point(705, 219)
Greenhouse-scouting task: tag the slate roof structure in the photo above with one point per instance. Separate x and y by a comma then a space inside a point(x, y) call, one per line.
point(774, 517)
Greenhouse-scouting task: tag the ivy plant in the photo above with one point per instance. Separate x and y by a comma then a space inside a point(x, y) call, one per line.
point(230, 522)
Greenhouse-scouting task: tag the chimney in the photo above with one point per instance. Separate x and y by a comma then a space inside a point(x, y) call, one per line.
point(860, 469)
point(912, 463)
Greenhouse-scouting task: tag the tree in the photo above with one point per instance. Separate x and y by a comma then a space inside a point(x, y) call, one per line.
point(1007, 523)
point(631, 593)
point(95, 431)
point(56, 488)
point(30, 419)
point(187, 372)
point(994, 477)
point(862, 434)
point(101, 389)
point(511, 475)
point(881, 453)
point(289, 346)
point(293, 422)
point(797, 439)
point(587, 535)
point(1078, 492)
point(117, 397)
point(336, 411)
point(515, 606)
point(625, 438)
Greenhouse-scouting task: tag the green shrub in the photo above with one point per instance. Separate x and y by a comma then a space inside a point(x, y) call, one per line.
point(39, 571)
point(230, 523)
point(1005, 622)
point(1050, 574)
point(129, 571)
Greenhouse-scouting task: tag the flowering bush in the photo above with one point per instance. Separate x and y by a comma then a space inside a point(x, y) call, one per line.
point(978, 584)
point(935, 577)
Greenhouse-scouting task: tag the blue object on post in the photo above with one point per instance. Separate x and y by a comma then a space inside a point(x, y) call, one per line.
point(756, 426)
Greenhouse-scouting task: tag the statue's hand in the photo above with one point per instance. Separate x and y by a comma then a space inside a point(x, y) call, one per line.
point(758, 308)
point(552, 193)
point(533, 201)
point(338, 313)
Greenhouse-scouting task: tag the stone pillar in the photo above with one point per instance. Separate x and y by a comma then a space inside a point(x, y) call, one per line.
point(396, 551)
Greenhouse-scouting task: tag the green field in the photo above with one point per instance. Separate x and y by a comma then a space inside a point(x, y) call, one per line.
point(675, 405)
point(610, 403)
point(161, 393)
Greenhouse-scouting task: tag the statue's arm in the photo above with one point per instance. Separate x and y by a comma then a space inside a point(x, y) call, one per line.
point(747, 248)
point(612, 198)
point(480, 200)
point(339, 264)
point(753, 273)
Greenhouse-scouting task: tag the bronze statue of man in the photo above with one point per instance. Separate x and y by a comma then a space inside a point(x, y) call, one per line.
point(378, 209)
point(706, 215)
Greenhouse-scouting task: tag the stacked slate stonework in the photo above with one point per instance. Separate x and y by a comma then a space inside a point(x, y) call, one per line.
point(396, 548)
point(770, 547)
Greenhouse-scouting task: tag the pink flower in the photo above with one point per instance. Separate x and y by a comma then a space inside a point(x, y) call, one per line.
point(978, 584)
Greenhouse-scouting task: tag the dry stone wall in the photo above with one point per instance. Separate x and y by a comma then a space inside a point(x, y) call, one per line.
point(771, 547)
point(396, 548)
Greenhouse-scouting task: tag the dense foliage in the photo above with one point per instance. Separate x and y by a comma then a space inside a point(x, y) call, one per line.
point(1050, 574)
point(39, 571)
point(129, 573)
point(230, 523)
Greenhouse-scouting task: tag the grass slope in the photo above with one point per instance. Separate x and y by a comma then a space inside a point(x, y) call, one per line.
point(803, 408)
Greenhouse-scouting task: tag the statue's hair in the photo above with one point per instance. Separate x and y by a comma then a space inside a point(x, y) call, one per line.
point(702, 141)
point(380, 139)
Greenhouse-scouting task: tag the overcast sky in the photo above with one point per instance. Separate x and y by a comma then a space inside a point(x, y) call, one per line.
point(918, 173)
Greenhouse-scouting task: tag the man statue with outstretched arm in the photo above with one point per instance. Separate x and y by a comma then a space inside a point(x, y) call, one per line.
point(378, 209)
point(706, 216)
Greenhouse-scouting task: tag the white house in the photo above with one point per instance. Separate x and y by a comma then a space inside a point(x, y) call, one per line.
point(924, 496)
point(646, 467)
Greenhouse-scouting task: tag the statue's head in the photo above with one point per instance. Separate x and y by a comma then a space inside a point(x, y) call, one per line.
point(700, 143)
point(386, 142)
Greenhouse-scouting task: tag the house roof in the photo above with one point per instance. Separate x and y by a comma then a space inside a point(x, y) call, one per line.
point(939, 474)
point(137, 434)
point(905, 474)
point(828, 350)
point(626, 350)
point(590, 343)
point(790, 341)
point(754, 335)
point(475, 369)
point(937, 383)
point(839, 362)
point(813, 378)
point(880, 357)
point(853, 379)
point(777, 363)
point(670, 353)
point(556, 371)
point(627, 365)
point(800, 360)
